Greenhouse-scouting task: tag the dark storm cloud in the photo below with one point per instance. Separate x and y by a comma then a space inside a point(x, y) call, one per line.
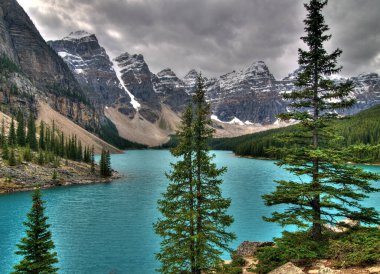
point(215, 36)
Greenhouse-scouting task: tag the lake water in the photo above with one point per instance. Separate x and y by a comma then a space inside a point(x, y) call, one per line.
point(107, 228)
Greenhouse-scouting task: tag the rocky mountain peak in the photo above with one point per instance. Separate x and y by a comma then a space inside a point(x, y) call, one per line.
point(91, 66)
point(78, 35)
point(167, 72)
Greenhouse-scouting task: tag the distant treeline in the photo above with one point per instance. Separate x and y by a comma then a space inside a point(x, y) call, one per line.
point(357, 131)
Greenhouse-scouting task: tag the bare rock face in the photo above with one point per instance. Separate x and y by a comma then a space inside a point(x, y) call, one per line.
point(92, 68)
point(249, 95)
point(37, 60)
point(171, 90)
point(366, 89)
point(47, 73)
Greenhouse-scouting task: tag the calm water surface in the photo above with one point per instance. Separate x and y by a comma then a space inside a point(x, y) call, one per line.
point(107, 228)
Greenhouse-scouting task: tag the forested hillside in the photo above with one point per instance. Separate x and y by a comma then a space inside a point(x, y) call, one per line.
point(358, 130)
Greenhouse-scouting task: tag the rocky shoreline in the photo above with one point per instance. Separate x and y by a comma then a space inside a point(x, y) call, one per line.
point(28, 176)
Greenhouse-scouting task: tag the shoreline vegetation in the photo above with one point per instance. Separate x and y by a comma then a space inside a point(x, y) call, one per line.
point(29, 176)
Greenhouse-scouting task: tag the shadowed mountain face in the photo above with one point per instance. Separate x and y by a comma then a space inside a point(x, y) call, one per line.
point(22, 42)
point(42, 74)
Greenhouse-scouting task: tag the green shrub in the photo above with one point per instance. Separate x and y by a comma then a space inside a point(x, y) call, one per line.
point(237, 260)
point(269, 258)
point(356, 248)
point(295, 247)
point(229, 269)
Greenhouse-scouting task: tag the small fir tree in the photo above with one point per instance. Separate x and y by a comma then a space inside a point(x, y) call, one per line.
point(328, 189)
point(21, 135)
point(92, 156)
point(41, 158)
point(12, 158)
point(41, 140)
point(3, 137)
point(31, 135)
point(36, 248)
point(105, 164)
point(12, 140)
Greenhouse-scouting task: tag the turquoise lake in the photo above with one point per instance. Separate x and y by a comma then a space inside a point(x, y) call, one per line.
point(107, 228)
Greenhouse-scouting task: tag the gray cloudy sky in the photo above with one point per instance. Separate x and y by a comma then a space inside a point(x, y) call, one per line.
point(215, 36)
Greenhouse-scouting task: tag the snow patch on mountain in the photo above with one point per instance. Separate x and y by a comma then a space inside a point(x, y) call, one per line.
point(136, 105)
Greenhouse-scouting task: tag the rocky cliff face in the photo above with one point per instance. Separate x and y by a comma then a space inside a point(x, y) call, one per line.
point(249, 95)
point(44, 69)
point(171, 90)
point(92, 68)
point(366, 89)
point(24, 44)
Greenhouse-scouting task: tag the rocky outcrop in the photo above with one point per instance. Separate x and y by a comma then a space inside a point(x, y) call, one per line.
point(171, 90)
point(42, 68)
point(93, 69)
point(24, 44)
point(249, 95)
point(248, 249)
point(137, 78)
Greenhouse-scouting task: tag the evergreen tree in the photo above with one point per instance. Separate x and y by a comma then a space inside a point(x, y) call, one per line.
point(31, 136)
point(3, 138)
point(105, 164)
point(36, 248)
point(328, 189)
point(12, 158)
point(92, 159)
point(41, 140)
point(5, 148)
point(12, 141)
point(194, 222)
point(21, 135)
point(41, 157)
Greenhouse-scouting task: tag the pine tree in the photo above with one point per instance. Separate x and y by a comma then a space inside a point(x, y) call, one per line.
point(41, 158)
point(5, 148)
point(105, 164)
point(194, 222)
point(3, 138)
point(92, 157)
point(31, 135)
point(36, 248)
point(12, 141)
point(41, 140)
point(328, 190)
point(12, 158)
point(21, 135)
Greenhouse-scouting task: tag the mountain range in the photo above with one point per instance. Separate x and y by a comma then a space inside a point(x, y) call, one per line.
point(123, 101)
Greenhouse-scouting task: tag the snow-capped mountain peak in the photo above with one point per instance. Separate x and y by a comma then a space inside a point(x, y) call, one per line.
point(76, 35)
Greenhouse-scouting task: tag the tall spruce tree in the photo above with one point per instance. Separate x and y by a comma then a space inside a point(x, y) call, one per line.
point(36, 247)
point(328, 190)
point(177, 227)
point(194, 220)
point(31, 135)
point(21, 135)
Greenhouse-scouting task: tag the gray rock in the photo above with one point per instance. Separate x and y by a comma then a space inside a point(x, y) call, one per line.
point(288, 268)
